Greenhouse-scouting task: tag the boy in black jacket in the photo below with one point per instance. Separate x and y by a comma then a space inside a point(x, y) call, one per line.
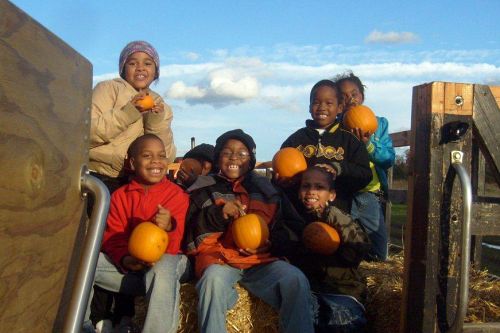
point(325, 143)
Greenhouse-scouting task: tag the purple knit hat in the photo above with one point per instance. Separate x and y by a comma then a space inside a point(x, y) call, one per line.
point(139, 46)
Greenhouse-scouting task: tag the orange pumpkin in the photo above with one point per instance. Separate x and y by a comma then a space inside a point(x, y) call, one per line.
point(320, 238)
point(250, 231)
point(148, 242)
point(361, 116)
point(288, 162)
point(146, 103)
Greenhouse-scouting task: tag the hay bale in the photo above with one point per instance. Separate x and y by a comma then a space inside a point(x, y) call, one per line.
point(249, 315)
point(385, 286)
point(383, 306)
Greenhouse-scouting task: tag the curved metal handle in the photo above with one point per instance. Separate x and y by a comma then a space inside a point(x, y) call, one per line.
point(463, 296)
point(85, 275)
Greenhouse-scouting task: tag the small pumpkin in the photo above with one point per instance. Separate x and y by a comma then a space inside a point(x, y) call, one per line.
point(146, 103)
point(250, 231)
point(147, 242)
point(288, 162)
point(360, 116)
point(321, 238)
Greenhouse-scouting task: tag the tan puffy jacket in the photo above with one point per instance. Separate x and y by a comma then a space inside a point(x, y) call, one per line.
point(115, 123)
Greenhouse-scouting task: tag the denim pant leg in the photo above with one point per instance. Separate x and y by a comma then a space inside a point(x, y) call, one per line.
point(163, 283)
point(366, 208)
point(108, 277)
point(217, 294)
point(338, 314)
point(286, 289)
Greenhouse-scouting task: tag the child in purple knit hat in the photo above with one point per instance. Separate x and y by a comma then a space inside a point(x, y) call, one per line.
point(120, 114)
point(138, 46)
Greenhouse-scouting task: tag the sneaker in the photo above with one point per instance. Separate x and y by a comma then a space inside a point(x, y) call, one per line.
point(104, 326)
point(126, 326)
point(88, 327)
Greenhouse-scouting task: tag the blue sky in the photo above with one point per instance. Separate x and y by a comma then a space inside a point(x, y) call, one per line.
point(251, 64)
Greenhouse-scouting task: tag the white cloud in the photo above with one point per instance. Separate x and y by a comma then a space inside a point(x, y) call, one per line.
point(179, 90)
point(391, 37)
point(192, 56)
point(220, 87)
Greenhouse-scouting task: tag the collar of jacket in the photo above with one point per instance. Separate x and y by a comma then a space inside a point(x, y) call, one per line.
point(330, 129)
point(136, 186)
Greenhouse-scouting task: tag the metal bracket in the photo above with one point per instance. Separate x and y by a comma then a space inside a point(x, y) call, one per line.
point(456, 156)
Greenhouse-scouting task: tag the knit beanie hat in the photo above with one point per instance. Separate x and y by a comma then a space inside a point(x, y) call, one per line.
point(139, 46)
point(239, 135)
point(202, 151)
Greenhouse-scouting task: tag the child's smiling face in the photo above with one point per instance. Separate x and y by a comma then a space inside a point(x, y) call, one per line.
point(352, 94)
point(140, 70)
point(324, 106)
point(150, 162)
point(189, 170)
point(234, 159)
point(315, 190)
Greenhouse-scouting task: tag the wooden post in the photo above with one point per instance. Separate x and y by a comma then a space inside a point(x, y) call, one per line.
point(45, 95)
point(434, 206)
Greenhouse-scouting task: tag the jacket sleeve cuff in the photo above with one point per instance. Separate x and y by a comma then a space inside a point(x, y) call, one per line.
point(370, 147)
point(153, 117)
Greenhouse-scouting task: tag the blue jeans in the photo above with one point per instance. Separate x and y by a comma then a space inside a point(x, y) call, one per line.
point(338, 314)
point(161, 285)
point(367, 209)
point(278, 283)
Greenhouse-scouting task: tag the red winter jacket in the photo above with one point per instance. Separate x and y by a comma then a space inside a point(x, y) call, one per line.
point(132, 204)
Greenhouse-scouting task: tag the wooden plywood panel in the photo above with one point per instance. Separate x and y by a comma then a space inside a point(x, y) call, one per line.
point(45, 93)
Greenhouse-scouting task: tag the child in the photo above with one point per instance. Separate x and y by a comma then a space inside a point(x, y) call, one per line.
point(337, 286)
point(148, 197)
point(219, 263)
point(198, 161)
point(323, 142)
point(367, 205)
point(117, 119)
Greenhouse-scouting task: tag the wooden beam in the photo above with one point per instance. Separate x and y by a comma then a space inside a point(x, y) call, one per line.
point(487, 127)
point(432, 248)
point(481, 328)
point(401, 139)
point(485, 219)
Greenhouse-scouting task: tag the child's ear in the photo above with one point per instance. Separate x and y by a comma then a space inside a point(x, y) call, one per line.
point(131, 163)
point(333, 195)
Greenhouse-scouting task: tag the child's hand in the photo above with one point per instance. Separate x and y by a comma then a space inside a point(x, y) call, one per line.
point(263, 249)
point(134, 264)
point(328, 169)
point(163, 218)
point(233, 209)
point(361, 135)
point(137, 101)
point(158, 108)
point(284, 182)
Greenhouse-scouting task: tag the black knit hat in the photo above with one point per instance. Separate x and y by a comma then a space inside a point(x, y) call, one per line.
point(202, 151)
point(239, 135)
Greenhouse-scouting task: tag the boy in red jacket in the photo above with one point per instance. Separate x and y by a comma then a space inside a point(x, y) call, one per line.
point(148, 197)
